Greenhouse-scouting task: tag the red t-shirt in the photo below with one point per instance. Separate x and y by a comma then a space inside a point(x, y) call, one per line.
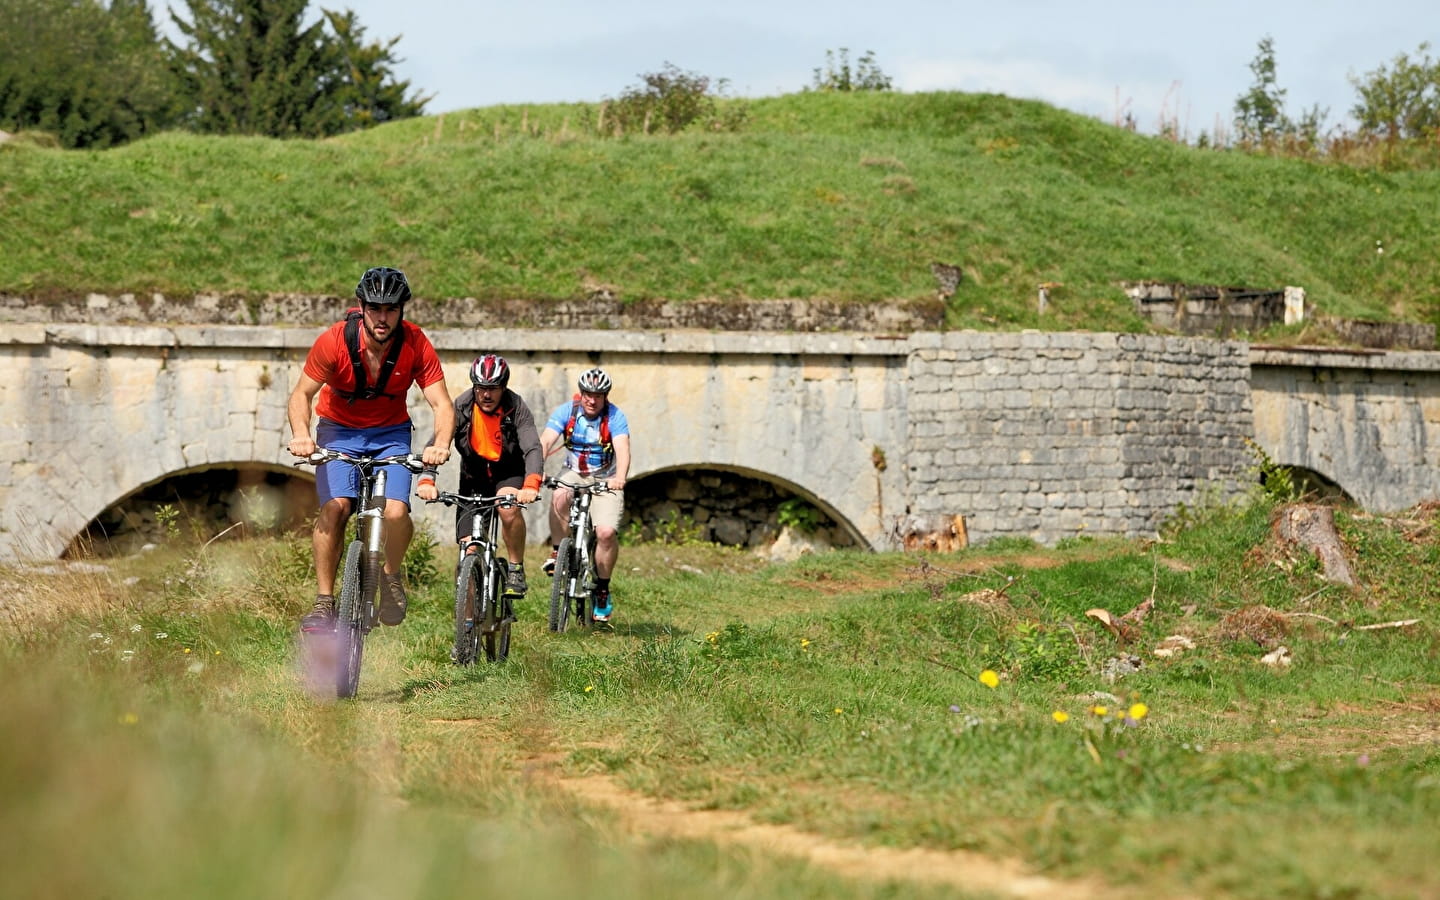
point(329, 363)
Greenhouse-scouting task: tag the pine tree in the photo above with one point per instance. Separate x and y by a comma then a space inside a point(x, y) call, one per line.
point(254, 67)
point(369, 93)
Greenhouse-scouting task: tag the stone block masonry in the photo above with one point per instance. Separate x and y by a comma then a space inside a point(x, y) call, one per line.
point(1056, 435)
point(1039, 435)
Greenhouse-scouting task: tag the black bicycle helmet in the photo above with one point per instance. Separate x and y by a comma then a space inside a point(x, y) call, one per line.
point(383, 286)
point(595, 381)
point(490, 371)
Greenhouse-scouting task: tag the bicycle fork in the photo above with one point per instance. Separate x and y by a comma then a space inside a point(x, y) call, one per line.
point(370, 524)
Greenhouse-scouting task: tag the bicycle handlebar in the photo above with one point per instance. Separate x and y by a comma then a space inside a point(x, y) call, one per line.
point(323, 455)
point(499, 501)
point(599, 487)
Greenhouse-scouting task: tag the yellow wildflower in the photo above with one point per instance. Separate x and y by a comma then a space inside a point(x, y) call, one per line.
point(589, 688)
point(989, 678)
point(1139, 711)
point(1060, 715)
point(1099, 710)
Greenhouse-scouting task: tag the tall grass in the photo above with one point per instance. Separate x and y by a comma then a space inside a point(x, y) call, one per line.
point(952, 702)
point(847, 196)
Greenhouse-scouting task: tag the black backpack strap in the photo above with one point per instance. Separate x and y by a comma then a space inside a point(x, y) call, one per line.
point(357, 365)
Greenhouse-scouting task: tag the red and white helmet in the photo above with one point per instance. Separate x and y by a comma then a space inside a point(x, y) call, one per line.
point(490, 371)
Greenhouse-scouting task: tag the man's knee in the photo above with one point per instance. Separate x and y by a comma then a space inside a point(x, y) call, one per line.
point(604, 533)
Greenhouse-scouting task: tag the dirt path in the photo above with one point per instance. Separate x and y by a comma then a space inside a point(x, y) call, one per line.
point(648, 817)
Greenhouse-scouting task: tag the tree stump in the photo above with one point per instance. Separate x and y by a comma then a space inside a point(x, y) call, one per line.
point(1314, 527)
point(941, 533)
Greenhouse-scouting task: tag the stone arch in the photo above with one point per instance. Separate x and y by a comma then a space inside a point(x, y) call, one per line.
point(209, 497)
point(1316, 485)
point(841, 521)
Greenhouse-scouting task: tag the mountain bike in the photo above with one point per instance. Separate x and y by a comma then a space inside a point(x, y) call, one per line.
point(573, 591)
point(484, 611)
point(356, 611)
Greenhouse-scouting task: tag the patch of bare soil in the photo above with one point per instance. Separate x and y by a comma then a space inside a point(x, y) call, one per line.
point(648, 817)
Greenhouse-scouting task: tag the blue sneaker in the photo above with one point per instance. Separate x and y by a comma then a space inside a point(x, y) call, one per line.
point(602, 610)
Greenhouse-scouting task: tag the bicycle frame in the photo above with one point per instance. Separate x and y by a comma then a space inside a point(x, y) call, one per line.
point(359, 575)
point(575, 574)
point(484, 617)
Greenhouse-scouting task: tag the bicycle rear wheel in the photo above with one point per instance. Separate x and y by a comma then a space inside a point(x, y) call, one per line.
point(349, 624)
point(467, 611)
point(560, 588)
point(496, 634)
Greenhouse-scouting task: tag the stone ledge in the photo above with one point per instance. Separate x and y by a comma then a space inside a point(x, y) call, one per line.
point(599, 312)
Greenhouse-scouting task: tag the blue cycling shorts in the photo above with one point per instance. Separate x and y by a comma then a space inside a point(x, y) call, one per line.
point(339, 479)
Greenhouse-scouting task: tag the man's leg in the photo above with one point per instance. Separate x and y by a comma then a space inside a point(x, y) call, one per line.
point(399, 529)
point(607, 550)
point(329, 533)
point(325, 542)
point(559, 521)
point(512, 526)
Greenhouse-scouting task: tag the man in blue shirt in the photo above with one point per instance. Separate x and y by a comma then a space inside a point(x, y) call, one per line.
point(596, 437)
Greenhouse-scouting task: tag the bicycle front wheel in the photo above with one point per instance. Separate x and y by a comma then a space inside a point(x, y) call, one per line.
point(560, 589)
point(496, 633)
point(467, 610)
point(349, 624)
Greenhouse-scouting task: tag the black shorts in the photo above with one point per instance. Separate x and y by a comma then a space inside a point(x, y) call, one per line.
point(481, 488)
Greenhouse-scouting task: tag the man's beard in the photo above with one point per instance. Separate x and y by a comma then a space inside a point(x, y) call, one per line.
point(376, 338)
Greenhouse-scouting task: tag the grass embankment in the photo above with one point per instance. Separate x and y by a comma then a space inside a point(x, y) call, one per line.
point(818, 196)
point(167, 747)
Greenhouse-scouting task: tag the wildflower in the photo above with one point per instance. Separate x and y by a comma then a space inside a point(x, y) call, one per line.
point(128, 718)
point(954, 708)
point(187, 649)
point(989, 678)
point(217, 652)
point(1099, 710)
point(589, 688)
point(1060, 716)
point(126, 655)
point(96, 636)
point(712, 638)
point(1139, 711)
point(839, 711)
point(161, 635)
point(1362, 760)
point(805, 644)
point(136, 629)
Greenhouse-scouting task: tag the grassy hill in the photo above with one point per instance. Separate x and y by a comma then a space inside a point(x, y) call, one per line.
point(838, 196)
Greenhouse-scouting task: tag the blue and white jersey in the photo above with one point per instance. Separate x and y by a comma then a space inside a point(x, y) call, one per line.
point(585, 453)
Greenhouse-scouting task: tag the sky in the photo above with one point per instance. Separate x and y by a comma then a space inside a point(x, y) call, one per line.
point(1179, 62)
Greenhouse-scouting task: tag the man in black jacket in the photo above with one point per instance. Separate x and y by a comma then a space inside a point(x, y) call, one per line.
point(499, 452)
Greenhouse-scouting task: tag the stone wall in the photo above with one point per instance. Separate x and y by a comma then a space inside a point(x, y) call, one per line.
point(598, 311)
point(1054, 435)
point(1207, 309)
point(1039, 435)
point(1368, 421)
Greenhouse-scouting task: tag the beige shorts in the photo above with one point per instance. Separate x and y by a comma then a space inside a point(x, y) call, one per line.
point(606, 508)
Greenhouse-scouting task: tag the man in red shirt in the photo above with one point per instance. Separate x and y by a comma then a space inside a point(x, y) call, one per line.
point(367, 415)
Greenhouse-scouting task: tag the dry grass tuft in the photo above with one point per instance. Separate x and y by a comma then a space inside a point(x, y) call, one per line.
point(1260, 624)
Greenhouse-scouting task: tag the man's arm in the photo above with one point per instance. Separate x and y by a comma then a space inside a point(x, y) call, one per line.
point(298, 409)
point(438, 396)
point(548, 439)
point(622, 462)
